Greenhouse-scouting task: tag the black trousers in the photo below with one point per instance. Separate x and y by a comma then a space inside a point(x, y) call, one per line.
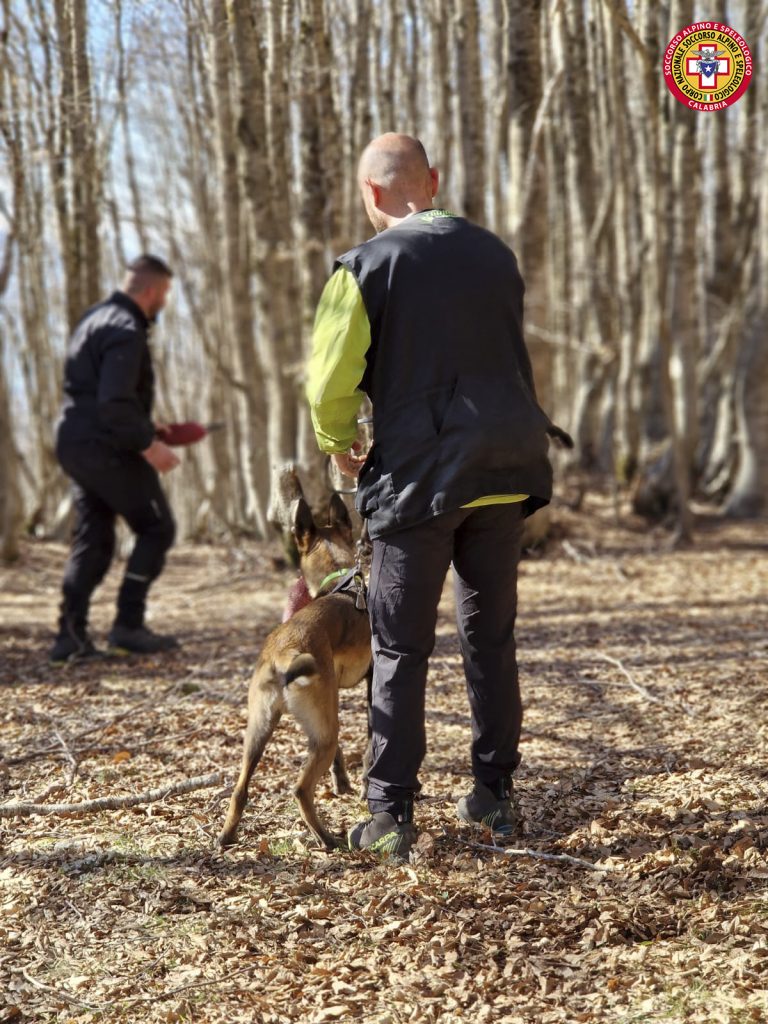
point(108, 483)
point(407, 574)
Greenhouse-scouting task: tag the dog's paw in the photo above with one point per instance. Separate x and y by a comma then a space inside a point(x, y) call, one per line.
point(336, 843)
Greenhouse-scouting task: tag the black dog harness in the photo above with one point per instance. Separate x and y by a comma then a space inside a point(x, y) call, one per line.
point(349, 581)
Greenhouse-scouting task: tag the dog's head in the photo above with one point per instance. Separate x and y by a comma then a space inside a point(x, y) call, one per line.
point(322, 549)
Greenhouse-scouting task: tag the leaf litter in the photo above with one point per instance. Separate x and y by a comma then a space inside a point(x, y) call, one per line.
point(644, 678)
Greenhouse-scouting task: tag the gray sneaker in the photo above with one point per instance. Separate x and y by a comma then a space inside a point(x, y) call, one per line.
point(124, 640)
point(383, 834)
point(500, 814)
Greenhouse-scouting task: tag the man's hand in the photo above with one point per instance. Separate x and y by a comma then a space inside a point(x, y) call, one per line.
point(350, 463)
point(160, 457)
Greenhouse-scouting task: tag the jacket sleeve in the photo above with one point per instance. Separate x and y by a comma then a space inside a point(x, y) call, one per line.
point(119, 407)
point(340, 341)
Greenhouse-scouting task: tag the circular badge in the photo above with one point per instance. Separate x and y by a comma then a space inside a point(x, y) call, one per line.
point(707, 66)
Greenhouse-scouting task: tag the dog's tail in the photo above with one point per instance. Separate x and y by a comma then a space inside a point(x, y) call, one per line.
point(301, 671)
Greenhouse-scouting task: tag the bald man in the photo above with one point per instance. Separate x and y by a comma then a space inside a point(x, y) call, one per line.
point(426, 319)
point(106, 444)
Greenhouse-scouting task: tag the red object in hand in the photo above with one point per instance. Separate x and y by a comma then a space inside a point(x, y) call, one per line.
point(177, 434)
point(298, 598)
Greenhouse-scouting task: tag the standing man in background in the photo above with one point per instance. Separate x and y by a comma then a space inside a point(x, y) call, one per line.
point(105, 441)
point(426, 319)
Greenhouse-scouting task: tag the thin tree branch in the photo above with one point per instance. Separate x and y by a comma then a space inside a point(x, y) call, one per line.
point(112, 803)
point(181, 988)
point(564, 858)
point(628, 676)
point(60, 993)
point(637, 687)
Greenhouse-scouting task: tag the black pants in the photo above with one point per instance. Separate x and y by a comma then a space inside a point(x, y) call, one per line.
point(108, 483)
point(407, 574)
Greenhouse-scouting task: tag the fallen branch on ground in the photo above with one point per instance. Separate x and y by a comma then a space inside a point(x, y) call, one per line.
point(112, 803)
point(638, 688)
point(151, 701)
point(58, 992)
point(565, 858)
point(181, 988)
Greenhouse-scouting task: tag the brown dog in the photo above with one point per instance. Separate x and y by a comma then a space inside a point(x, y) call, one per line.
point(324, 646)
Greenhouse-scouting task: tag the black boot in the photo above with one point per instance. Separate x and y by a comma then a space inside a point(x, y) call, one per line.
point(72, 642)
point(138, 640)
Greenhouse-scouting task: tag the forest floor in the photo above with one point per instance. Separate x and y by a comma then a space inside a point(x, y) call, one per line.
point(645, 753)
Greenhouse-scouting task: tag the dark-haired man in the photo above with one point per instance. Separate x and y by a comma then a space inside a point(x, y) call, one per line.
point(105, 442)
point(426, 319)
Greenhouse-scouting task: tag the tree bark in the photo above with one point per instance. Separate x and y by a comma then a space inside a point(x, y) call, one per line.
point(471, 110)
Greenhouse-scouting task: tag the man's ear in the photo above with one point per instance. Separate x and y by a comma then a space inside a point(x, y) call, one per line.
point(338, 515)
point(302, 524)
point(435, 176)
point(375, 193)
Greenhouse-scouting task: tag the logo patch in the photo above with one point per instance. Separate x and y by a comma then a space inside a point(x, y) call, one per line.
point(707, 66)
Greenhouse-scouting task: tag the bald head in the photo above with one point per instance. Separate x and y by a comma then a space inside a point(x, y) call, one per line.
point(395, 178)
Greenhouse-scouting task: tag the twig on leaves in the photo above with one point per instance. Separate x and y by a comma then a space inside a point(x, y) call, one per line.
point(125, 1003)
point(564, 858)
point(638, 688)
point(112, 803)
point(151, 702)
point(73, 764)
point(573, 552)
point(60, 993)
point(181, 988)
point(578, 556)
point(628, 676)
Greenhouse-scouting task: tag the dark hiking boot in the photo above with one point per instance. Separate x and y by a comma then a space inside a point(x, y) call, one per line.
point(497, 811)
point(125, 640)
point(72, 646)
point(383, 834)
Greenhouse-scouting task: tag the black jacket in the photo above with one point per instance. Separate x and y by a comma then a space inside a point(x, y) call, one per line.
point(108, 378)
point(454, 405)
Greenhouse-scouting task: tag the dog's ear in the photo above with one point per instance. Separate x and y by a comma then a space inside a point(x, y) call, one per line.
point(302, 524)
point(338, 515)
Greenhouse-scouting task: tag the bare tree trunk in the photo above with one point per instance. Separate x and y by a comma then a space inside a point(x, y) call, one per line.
point(442, 144)
point(235, 247)
point(664, 485)
point(77, 175)
point(311, 226)
point(472, 110)
point(527, 198)
point(10, 491)
point(749, 495)
point(139, 221)
point(685, 203)
point(11, 511)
